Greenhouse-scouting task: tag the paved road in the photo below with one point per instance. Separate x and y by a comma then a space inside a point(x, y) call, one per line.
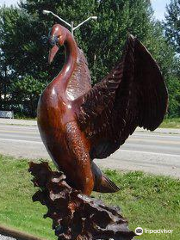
point(2, 237)
point(157, 153)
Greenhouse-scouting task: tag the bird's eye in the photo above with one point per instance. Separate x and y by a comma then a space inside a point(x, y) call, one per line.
point(53, 40)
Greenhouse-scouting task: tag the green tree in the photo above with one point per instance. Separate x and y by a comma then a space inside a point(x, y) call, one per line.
point(19, 46)
point(26, 93)
point(172, 24)
point(172, 33)
point(174, 96)
point(25, 55)
point(101, 41)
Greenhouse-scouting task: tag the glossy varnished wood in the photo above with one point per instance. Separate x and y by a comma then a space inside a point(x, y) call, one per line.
point(64, 141)
point(78, 123)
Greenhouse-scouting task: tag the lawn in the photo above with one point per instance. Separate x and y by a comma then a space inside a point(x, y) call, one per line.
point(171, 123)
point(150, 202)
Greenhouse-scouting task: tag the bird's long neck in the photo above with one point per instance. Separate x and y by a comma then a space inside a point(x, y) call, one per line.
point(71, 53)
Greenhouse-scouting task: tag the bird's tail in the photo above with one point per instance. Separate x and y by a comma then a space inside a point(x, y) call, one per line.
point(102, 183)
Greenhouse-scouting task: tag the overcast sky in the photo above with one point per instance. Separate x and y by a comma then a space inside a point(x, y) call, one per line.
point(159, 6)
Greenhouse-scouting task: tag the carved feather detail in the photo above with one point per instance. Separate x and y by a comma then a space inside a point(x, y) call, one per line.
point(76, 87)
point(133, 94)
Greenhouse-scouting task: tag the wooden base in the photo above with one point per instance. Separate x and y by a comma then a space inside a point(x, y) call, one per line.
point(76, 216)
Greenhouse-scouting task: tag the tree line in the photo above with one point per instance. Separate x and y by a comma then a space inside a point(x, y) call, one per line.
point(24, 70)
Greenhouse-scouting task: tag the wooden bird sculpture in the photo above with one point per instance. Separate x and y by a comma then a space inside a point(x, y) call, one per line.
point(79, 123)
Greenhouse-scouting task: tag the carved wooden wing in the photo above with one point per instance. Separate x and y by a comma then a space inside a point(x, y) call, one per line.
point(76, 87)
point(133, 94)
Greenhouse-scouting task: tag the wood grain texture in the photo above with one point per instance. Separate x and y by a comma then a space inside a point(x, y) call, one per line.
point(133, 94)
point(80, 81)
point(74, 215)
point(78, 122)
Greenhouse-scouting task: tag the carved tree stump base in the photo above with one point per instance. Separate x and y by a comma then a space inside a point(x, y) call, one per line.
point(76, 216)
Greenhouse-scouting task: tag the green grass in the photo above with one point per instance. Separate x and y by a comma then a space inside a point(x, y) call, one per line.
point(151, 202)
point(171, 123)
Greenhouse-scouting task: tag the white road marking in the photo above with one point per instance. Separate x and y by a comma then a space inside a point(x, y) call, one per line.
point(135, 134)
point(152, 153)
point(19, 140)
point(120, 150)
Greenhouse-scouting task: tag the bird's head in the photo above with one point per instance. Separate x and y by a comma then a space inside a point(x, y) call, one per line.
point(57, 37)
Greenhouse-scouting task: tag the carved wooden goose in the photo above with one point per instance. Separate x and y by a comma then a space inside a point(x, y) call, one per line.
point(79, 122)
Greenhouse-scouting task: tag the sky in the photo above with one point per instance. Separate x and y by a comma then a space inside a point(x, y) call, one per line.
point(159, 6)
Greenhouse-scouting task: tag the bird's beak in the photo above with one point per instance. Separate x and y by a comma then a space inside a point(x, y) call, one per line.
point(52, 53)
